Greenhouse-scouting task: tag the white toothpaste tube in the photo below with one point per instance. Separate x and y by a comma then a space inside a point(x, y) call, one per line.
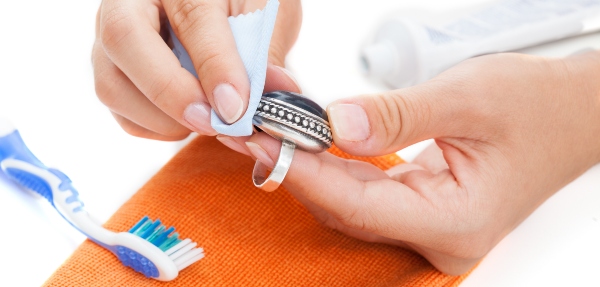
point(404, 52)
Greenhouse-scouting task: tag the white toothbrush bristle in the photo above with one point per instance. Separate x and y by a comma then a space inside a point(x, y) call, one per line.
point(178, 246)
point(190, 261)
point(180, 252)
point(187, 256)
point(183, 250)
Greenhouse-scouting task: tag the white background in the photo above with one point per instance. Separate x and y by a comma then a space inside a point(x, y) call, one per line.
point(46, 90)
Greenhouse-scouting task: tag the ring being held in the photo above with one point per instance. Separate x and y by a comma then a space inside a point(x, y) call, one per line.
point(296, 121)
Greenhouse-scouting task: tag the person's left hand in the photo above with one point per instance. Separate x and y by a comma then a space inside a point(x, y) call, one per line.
point(141, 81)
point(510, 130)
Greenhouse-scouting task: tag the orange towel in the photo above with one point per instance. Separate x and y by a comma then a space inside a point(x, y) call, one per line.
point(251, 237)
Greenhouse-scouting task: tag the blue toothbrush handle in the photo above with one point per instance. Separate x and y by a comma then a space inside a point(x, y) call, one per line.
point(19, 164)
point(12, 147)
point(22, 166)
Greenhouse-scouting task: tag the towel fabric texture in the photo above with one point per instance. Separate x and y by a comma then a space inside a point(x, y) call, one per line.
point(250, 237)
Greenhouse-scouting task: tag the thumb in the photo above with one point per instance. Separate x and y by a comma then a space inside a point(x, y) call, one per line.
point(372, 125)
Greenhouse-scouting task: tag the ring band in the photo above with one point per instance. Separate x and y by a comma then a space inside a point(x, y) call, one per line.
point(297, 122)
point(272, 182)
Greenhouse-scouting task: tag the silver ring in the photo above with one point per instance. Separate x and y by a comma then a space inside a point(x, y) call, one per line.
point(297, 122)
point(272, 182)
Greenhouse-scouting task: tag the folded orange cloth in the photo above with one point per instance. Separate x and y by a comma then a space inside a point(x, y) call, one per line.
point(250, 237)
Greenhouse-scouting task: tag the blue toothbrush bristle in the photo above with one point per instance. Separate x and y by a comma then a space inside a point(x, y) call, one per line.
point(156, 233)
point(163, 238)
point(139, 224)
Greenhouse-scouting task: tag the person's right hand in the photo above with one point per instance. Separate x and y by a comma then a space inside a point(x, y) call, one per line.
point(510, 130)
point(140, 80)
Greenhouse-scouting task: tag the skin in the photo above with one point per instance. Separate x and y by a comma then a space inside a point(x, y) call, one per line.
point(140, 80)
point(510, 130)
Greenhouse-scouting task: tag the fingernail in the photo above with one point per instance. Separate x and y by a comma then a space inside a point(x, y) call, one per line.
point(232, 144)
point(198, 115)
point(229, 102)
point(289, 74)
point(350, 122)
point(260, 154)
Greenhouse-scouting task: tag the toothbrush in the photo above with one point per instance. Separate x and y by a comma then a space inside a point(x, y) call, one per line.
point(148, 247)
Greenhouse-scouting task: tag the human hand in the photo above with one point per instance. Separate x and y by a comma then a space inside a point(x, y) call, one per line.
point(140, 80)
point(510, 130)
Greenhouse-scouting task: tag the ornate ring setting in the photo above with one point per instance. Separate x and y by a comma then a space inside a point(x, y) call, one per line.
point(297, 122)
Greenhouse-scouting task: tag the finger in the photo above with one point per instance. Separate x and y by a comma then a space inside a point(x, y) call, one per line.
point(432, 159)
point(319, 213)
point(203, 29)
point(384, 123)
point(120, 95)
point(397, 170)
point(279, 78)
point(285, 32)
point(235, 143)
point(139, 131)
point(356, 194)
point(446, 263)
point(132, 41)
point(411, 214)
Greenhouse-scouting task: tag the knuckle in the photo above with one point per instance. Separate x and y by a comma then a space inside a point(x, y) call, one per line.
point(394, 114)
point(415, 114)
point(419, 181)
point(175, 131)
point(140, 132)
point(355, 217)
point(159, 91)
point(325, 219)
point(277, 53)
point(211, 59)
point(454, 266)
point(353, 221)
point(131, 128)
point(186, 13)
point(116, 25)
point(363, 220)
point(136, 130)
point(469, 247)
point(104, 88)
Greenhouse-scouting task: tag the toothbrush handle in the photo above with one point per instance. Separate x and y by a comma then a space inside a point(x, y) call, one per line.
point(19, 164)
point(50, 183)
point(13, 146)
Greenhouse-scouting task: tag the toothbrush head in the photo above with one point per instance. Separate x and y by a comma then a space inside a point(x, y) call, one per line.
point(176, 254)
